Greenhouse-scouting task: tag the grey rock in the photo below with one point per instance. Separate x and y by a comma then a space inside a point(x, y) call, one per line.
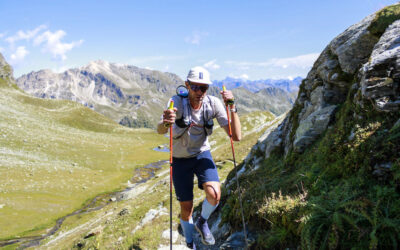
point(237, 241)
point(380, 77)
point(274, 140)
point(220, 231)
point(124, 211)
point(353, 47)
point(311, 127)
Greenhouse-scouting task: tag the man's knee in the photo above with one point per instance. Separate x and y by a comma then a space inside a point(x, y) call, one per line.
point(213, 192)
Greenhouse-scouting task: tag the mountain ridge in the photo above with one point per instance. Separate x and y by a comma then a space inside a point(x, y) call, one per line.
point(133, 96)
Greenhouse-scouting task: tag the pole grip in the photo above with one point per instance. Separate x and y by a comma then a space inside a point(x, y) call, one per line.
point(171, 104)
point(170, 107)
point(229, 102)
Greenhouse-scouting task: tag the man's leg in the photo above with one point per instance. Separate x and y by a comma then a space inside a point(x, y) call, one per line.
point(207, 175)
point(210, 203)
point(187, 221)
point(213, 195)
point(182, 176)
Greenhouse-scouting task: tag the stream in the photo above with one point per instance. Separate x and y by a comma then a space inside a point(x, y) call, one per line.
point(140, 175)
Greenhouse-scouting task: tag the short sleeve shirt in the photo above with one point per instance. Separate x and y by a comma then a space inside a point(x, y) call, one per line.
point(194, 140)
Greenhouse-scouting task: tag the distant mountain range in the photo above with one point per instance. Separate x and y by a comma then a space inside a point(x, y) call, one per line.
point(257, 85)
point(124, 93)
point(135, 97)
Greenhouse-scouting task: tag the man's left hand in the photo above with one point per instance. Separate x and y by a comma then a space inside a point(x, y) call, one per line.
point(227, 96)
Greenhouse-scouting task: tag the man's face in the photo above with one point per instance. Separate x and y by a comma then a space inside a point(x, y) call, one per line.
point(197, 91)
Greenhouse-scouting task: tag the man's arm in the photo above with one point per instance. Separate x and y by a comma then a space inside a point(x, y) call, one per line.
point(168, 118)
point(161, 129)
point(235, 125)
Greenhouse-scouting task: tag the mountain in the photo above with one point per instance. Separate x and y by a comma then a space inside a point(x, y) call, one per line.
point(135, 97)
point(257, 85)
point(328, 177)
point(123, 93)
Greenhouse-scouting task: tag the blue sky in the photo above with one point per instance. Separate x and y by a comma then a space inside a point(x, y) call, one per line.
point(247, 39)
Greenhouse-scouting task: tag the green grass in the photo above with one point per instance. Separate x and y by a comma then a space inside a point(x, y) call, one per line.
point(56, 155)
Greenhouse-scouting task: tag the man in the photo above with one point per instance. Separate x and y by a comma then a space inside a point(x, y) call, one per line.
point(192, 123)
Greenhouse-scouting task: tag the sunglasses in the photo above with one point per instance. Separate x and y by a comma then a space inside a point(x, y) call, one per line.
point(198, 87)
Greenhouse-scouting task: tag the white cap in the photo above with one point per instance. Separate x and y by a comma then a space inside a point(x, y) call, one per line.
point(199, 75)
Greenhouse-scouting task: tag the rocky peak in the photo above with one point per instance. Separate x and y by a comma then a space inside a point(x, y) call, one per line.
point(5, 69)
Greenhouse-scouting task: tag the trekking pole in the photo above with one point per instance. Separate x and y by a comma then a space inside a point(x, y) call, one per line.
point(171, 106)
point(237, 177)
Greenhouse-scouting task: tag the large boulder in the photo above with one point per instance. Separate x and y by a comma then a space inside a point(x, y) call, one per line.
point(380, 82)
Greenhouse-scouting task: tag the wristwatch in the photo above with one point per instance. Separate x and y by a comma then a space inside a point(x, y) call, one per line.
point(234, 110)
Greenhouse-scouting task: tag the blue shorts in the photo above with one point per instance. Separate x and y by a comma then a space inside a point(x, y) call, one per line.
point(183, 170)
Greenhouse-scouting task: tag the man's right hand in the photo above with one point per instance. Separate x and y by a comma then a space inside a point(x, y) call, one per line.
point(169, 116)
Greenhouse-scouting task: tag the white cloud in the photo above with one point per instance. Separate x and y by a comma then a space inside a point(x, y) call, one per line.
point(244, 76)
point(152, 59)
point(2, 35)
point(212, 65)
point(52, 43)
point(25, 35)
point(19, 55)
point(196, 37)
point(302, 61)
point(1, 50)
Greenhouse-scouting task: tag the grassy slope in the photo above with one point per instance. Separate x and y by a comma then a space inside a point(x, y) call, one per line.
point(56, 155)
point(117, 231)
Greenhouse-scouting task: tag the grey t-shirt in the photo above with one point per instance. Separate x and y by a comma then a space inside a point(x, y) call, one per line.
point(194, 140)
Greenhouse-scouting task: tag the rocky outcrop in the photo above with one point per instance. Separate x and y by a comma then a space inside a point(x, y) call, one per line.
point(380, 81)
point(355, 60)
point(5, 69)
point(349, 102)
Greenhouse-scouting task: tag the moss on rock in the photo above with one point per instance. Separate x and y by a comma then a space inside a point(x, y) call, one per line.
point(383, 19)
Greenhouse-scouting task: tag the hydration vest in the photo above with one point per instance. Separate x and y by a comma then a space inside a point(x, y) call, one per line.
point(184, 122)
